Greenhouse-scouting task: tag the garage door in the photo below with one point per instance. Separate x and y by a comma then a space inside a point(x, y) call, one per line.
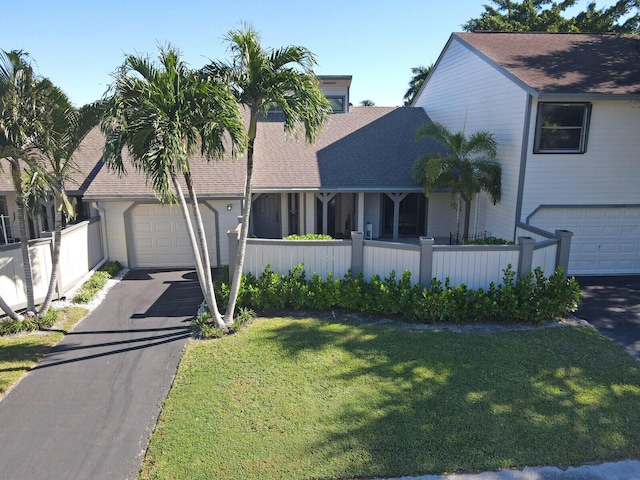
point(158, 236)
point(606, 241)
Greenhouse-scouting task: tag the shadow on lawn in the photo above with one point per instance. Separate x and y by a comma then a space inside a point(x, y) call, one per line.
point(433, 402)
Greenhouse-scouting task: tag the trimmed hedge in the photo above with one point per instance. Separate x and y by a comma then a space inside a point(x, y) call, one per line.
point(99, 279)
point(532, 299)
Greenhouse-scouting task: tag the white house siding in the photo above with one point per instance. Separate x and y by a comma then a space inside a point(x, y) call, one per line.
point(466, 93)
point(114, 224)
point(441, 219)
point(607, 174)
point(227, 220)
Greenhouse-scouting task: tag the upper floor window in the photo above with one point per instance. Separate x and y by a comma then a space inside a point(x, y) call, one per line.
point(337, 104)
point(562, 127)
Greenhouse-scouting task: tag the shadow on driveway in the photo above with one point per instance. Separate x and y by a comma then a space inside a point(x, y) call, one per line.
point(87, 409)
point(612, 305)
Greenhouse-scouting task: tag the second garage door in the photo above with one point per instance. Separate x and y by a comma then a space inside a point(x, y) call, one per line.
point(606, 240)
point(158, 236)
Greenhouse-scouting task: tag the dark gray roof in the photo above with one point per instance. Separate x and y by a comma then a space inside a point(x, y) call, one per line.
point(369, 148)
point(564, 63)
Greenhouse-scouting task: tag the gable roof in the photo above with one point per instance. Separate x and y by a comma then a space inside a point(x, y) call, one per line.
point(563, 63)
point(369, 148)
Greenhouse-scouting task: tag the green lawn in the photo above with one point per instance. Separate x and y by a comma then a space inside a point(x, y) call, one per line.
point(19, 353)
point(321, 399)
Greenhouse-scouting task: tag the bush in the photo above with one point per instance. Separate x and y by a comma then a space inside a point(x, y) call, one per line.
point(309, 236)
point(29, 324)
point(97, 281)
point(532, 298)
point(488, 241)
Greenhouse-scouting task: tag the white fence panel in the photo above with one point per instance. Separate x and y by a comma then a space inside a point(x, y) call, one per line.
point(544, 256)
point(381, 258)
point(12, 278)
point(473, 266)
point(80, 251)
point(321, 257)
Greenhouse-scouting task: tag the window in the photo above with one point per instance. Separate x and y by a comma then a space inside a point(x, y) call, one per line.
point(337, 104)
point(562, 128)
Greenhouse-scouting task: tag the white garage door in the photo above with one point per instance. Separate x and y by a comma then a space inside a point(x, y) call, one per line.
point(606, 241)
point(159, 236)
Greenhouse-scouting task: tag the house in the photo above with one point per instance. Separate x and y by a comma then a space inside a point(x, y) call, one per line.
point(357, 175)
point(565, 109)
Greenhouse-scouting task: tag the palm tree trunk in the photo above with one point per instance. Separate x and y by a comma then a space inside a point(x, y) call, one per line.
point(467, 217)
point(9, 311)
point(204, 249)
point(24, 243)
point(244, 227)
point(458, 207)
point(213, 309)
point(55, 262)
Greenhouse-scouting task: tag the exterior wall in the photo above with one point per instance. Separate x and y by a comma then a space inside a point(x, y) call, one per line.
point(80, 251)
point(115, 230)
point(441, 219)
point(373, 212)
point(466, 93)
point(608, 173)
point(227, 220)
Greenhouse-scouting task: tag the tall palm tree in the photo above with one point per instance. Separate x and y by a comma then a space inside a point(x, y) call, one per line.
point(465, 168)
point(282, 78)
point(4, 306)
point(162, 113)
point(22, 110)
point(420, 74)
point(54, 148)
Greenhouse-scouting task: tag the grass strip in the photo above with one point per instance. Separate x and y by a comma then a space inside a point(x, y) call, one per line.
point(321, 399)
point(20, 353)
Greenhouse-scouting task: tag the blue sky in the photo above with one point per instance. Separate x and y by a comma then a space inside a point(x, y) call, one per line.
point(79, 43)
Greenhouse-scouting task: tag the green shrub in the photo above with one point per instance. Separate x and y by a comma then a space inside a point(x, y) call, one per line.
point(532, 298)
point(91, 287)
point(113, 268)
point(29, 324)
point(488, 241)
point(309, 236)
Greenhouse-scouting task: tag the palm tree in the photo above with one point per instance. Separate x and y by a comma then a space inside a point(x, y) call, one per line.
point(420, 74)
point(22, 110)
point(282, 78)
point(465, 168)
point(54, 147)
point(163, 113)
point(8, 310)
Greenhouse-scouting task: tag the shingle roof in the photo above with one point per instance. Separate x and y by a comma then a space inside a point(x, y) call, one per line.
point(369, 148)
point(563, 63)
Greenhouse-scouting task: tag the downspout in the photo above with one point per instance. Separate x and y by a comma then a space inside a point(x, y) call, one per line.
point(103, 230)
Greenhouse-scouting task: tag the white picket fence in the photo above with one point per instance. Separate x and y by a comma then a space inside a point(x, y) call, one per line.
point(81, 251)
point(476, 266)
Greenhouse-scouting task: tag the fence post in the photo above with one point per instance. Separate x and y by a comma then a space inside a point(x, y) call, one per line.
point(426, 260)
point(357, 253)
point(526, 255)
point(564, 247)
point(234, 237)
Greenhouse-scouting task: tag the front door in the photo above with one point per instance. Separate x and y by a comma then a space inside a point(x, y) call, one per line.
point(266, 216)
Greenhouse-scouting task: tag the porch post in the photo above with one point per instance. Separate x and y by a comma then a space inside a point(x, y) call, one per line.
point(233, 237)
point(564, 248)
point(526, 255)
point(357, 253)
point(360, 225)
point(426, 261)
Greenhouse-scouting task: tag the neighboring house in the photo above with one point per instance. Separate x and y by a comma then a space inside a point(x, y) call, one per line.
point(356, 176)
point(566, 112)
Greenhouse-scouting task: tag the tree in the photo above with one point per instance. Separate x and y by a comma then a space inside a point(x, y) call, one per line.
point(367, 103)
point(465, 168)
point(22, 111)
point(546, 16)
point(162, 113)
point(420, 74)
point(282, 78)
point(54, 147)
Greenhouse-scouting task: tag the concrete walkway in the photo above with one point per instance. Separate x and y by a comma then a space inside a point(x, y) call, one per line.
point(86, 411)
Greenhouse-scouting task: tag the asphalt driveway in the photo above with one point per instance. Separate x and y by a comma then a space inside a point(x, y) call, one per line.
point(87, 409)
point(612, 305)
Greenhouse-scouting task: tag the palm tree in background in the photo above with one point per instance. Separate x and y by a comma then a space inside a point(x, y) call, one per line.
point(22, 110)
point(282, 78)
point(54, 149)
point(162, 114)
point(465, 168)
point(420, 74)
